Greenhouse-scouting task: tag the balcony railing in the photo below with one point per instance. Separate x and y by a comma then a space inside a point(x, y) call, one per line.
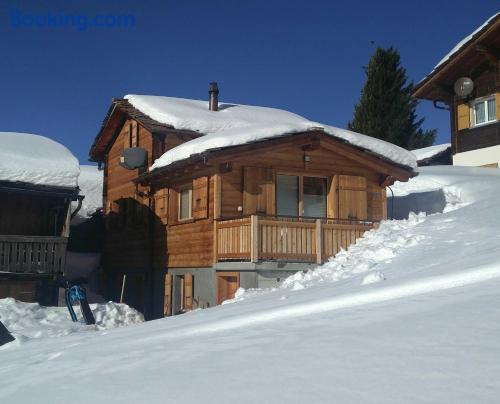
point(32, 254)
point(295, 239)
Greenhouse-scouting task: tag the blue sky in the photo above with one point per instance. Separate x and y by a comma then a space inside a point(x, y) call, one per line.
point(303, 56)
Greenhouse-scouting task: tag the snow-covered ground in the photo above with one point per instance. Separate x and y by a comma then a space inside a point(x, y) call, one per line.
point(27, 321)
point(409, 315)
point(90, 182)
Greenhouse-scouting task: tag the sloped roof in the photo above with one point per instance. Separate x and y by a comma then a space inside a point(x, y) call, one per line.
point(462, 58)
point(236, 124)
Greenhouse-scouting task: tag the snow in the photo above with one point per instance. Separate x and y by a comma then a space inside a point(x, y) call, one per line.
point(90, 182)
point(463, 42)
point(409, 314)
point(236, 124)
point(36, 160)
point(431, 151)
point(28, 321)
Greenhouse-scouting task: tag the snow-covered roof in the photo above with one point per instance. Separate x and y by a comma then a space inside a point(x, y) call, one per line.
point(463, 42)
point(431, 151)
point(36, 160)
point(236, 124)
point(90, 182)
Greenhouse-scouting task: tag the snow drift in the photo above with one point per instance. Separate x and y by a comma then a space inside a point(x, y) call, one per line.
point(32, 321)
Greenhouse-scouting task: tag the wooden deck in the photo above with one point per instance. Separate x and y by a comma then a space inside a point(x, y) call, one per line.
point(32, 254)
point(258, 238)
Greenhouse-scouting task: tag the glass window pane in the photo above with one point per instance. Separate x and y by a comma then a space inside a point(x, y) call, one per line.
point(185, 211)
point(287, 195)
point(479, 112)
point(314, 197)
point(492, 110)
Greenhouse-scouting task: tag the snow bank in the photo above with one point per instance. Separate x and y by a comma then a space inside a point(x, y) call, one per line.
point(90, 182)
point(431, 151)
point(32, 321)
point(36, 160)
point(237, 124)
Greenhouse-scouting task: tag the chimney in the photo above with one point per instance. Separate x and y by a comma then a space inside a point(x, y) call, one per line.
point(213, 96)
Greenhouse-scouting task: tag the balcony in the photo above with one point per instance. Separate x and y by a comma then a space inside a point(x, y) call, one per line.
point(32, 254)
point(478, 137)
point(264, 238)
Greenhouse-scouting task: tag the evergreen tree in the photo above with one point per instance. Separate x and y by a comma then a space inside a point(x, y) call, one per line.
point(386, 109)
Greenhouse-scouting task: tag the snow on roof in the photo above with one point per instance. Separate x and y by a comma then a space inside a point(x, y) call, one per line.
point(237, 124)
point(36, 160)
point(90, 183)
point(431, 151)
point(464, 42)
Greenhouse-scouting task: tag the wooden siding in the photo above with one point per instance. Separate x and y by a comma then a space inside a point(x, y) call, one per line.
point(24, 214)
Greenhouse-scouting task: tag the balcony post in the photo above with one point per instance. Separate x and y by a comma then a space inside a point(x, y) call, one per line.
point(254, 237)
point(319, 243)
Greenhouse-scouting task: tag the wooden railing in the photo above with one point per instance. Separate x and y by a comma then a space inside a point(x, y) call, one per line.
point(32, 254)
point(284, 239)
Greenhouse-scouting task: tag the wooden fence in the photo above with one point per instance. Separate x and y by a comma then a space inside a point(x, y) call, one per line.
point(284, 239)
point(32, 254)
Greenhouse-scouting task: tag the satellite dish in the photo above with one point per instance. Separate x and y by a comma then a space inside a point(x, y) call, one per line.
point(463, 86)
point(133, 157)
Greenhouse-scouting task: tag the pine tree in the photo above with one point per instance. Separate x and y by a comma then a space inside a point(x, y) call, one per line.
point(386, 109)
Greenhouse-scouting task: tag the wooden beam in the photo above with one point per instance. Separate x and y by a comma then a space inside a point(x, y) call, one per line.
point(319, 246)
point(254, 237)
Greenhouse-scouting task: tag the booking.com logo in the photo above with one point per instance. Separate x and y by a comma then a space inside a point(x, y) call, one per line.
point(60, 19)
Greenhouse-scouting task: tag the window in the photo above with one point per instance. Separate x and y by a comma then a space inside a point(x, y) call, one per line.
point(301, 196)
point(484, 111)
point(288, 195)
point(185, 205)
point(314, 197)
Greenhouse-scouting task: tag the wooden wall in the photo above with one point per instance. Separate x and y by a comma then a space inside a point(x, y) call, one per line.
point(30, 215)
point(322, 163)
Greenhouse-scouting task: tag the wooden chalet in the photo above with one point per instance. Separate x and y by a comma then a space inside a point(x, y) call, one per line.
point(189, 233)
point(467, 83)
point(35, 217)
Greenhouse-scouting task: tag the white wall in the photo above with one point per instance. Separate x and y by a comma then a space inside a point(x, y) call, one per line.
point(479, 157)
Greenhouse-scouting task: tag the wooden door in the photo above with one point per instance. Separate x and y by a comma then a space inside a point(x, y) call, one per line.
point(188, 292)
point(167, 299)
point(352, 195)
point(227, 285)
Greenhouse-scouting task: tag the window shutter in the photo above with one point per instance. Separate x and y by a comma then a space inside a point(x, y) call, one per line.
point(332, 204)
point(173, 205)
point(258, 190)
point(188, 292)
point(200, 198)
point(352, 197)
point(463, 116)
point(167, 299)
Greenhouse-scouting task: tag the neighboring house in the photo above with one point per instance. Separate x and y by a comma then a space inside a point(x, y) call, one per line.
point(229, 196)
point(437, 155)
point(38, 182)
point(467, 80)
